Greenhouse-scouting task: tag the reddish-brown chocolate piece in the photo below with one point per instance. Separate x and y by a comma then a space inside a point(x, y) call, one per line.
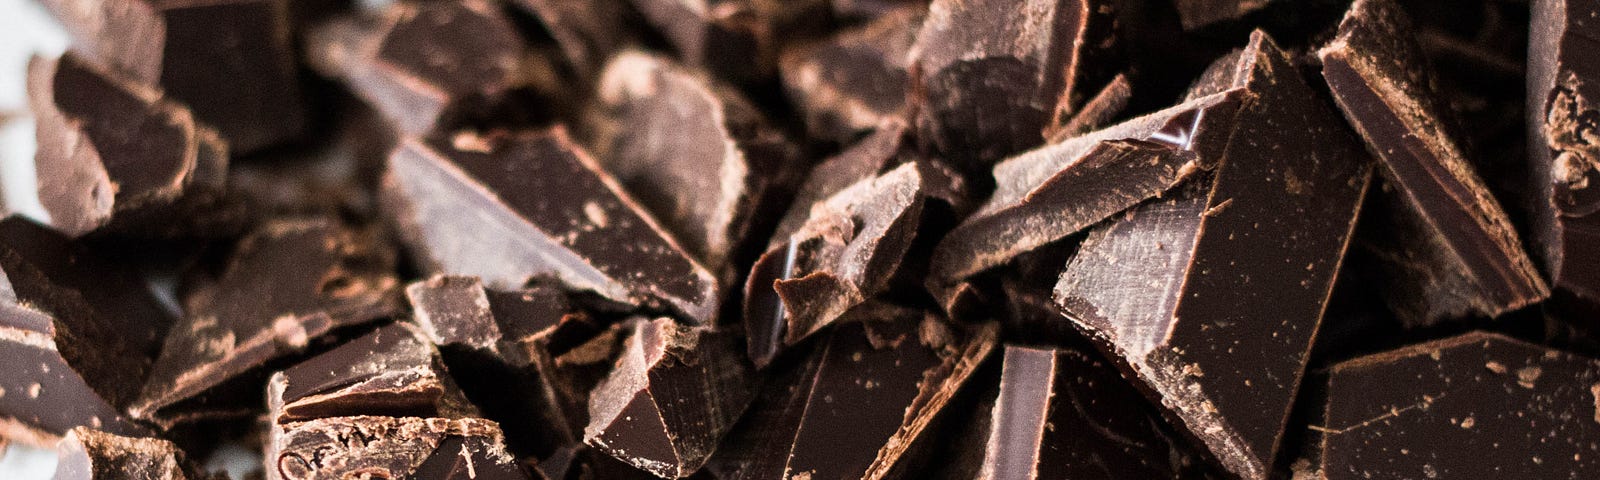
point(1212, 295)
point(1475, 405)
point(393, 371)
point(1096, 113)
point(231, 61)
point(1196, 14)
point(286, 285)
point(486, 206)
point(77, 332)
point(117, 156)
point(1460, 255)
point(693, 152)
point(671, 397)
point(88, 454)
point(856, 80)
point(390, 447)
point(1562, 153)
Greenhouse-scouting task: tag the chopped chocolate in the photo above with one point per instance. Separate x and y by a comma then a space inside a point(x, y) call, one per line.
point(285, 286)
point(1467, 258)
point(393, 371)
point(1096, 113)
point(886, 147)
point(1212, 295)
point(336, 174)
point(1563, 155)
point(1479, 404)
point(856, 80)
point(88, 454)
point(78, 333)
point(871, 9)
point(1196, 14)
point(846, 252)
point(990, 73)
point(231, 61)
point(735, 39)
point(862, 405)
point(115, 155)
point(587, 32)
point(482, 205)
point(390, 447)
point(671, 397)
point(693, 152)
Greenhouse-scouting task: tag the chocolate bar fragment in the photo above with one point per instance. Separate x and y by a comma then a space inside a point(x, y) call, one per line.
point(587, 32)
point(1210, 297)
point(1469, 259)
point(846, 252)
point(424, 64)
point(115, 155)
point(733, 39)
point(88, 454)
point(1561, 153)
point(885, 148)
point(393, 371)
point(231, 61)
point(1197, 14)
point(285, 286)
point(990, 73)
point(482, 205)
point(856, 80)
point(670, 398)
point(863, 404)
point(78, 333)
point(693, 152)
point(391, 447)
point(1472, 405)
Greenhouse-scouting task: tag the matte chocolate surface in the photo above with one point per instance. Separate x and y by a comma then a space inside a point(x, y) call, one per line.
point(88, 454)
point(855, 80)
point(1561, 154)
point(735, 39)
point(1202, 13)
point(390, 447)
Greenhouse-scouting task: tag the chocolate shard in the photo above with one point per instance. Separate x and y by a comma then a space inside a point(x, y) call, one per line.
point(1564, 158)
point(670, 398)
point(846, 252)
point(885, 148)
point(424, 64)
point(1468, 258)
point(1197, 14)
point(1474, 404)
point(78, 333)
point(88, 454)
point(990, 73)
point(391, 447)
point(1096, 113)
point(856, 80)
point(285, 286)
point(1065, 413)
point(393, 371)
point(1211, 296)
point(593, 237)
point(863, 404)
point(587, 32)
point(117, 156)
point(734, 39)
point(694, 152)
point(231, 61)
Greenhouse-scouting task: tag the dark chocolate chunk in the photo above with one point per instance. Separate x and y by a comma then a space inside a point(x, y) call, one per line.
point(1095, 113)
point(863, 404)
point(393, 371)
point(1563, 155)
point(424, 63)
point(693, 152)
point(856, 80)
point(390, 447)
point(487, 206)
point(671, 397)
point(115, 155)
point(88, 454)
point(1212, 295)
point(285, 286)
point(735, 39)
point(887, 146)
point(587, 32)
point(990, 73)
point(78, 334)
point(1467, 256)
point(846, 252)
point(1475, 405)
point(231, 61)
point(1196, 14)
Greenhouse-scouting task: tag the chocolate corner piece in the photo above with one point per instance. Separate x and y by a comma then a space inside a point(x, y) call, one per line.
point(393, 371)
point(1462, 406)
point(670, 398)
point(855, 80)
point(391, 447)
point(88, 454)
point(1201, 294)
point(1562, 160)
point(1461, 254)
point(592, 238)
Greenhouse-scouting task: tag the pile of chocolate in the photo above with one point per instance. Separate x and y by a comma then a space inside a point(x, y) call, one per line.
point(812, 239)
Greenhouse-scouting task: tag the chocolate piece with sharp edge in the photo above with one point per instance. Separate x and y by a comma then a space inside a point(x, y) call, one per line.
point(231, 61)
point(593, 237)
point(1562, 153)
point(886, 147)
point(670, 398)
point(1468, 258)
point(117, 156)
point(1478, 404)
point(1211, 296)
point(989, 73)
point(1095, 113)
point(88, 454)
point(285, 286)
point(587, 32)
point(857, 79)
point(390, 447)
point(393, 371)
point(1197, 14)
point(846, 252)
point(78, 333)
